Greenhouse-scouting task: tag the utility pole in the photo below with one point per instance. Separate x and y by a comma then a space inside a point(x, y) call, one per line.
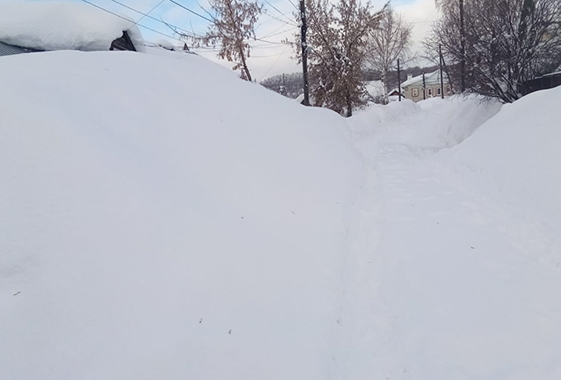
point(398, 80)
point(463, 47)
point(441, 74)
point(424, 88)
point(303, 30)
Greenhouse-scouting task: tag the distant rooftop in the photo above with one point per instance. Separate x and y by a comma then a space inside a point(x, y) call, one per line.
point(430, 78)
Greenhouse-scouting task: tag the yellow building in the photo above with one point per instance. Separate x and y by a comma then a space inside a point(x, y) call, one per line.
point(413, 87)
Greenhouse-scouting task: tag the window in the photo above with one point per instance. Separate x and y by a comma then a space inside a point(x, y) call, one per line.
point(438, 91)
point(415, 92)
point(429, 91)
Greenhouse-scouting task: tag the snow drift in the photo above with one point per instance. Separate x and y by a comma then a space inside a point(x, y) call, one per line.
point(162, 219)
point(458, 273)
point(63, 26)
point(432, 124)
point(514, 158)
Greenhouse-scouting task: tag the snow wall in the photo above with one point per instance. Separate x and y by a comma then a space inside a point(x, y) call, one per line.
point(515, 159)
point(162, 219)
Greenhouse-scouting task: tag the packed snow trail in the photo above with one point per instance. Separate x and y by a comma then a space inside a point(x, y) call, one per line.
point(439, 289)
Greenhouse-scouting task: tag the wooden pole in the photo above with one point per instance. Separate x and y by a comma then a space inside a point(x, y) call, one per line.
point(303, 31)
point(463, 47)
point(441, 73)
point(424, 88)
point(398, 80)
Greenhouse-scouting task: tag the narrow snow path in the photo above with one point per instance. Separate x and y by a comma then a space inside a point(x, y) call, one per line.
point(438, 289)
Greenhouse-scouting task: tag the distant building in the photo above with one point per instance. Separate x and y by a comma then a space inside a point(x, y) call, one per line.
point(393, 95)
point(27, 27)
point(413, 87)
point(394, 92)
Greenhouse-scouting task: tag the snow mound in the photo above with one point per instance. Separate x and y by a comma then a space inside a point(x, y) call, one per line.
point(455, 281)
point(63, 26)
point(518, 152)
point(431, 124)
point(188, 225)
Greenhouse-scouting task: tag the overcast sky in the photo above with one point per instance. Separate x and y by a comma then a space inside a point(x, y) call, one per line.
point(269, 56)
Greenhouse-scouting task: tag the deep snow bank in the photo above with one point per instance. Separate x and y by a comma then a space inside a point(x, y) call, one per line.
point(514, 158)
point(453, 274)
point(162, 219)
point(431, 124)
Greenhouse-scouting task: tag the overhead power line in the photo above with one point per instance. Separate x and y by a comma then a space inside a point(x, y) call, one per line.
point(140, 25)
point(294, 5)
point(291, 23)
point(147, 15)
point(143, 15)
point(276, 31)
point(193, 12)
point(275, 8)
point(273, 65)
point(269, 42)
point(132, 22)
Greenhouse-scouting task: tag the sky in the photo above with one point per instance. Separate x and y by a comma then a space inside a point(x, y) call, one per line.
point(269, 56)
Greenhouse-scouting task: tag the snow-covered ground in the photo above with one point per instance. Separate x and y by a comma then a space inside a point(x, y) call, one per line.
point(457, 272)
point(162, 219)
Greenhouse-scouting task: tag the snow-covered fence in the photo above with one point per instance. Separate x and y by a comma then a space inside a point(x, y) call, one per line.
point(541, 83)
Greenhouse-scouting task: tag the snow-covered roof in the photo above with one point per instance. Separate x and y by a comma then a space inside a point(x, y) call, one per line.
point(6, 49)
point(63, 26)
point(430, 78)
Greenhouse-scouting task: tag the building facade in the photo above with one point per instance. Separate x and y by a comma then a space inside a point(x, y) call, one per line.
point(413, 87)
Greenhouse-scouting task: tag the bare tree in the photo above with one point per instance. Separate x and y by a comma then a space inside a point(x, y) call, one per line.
point(233, 25)
point(507, 42)
point(388, 42)
point(337, 35)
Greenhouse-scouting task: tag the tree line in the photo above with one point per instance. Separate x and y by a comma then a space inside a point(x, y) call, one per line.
point(290, 85)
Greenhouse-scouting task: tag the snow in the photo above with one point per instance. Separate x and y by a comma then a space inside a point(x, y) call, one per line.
point(523, 169)
point(454, 273)
point(167, 227)
point(432, 124)
point(190, 225)
point(63, 26)
point(165, 44)
point(375, 88)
